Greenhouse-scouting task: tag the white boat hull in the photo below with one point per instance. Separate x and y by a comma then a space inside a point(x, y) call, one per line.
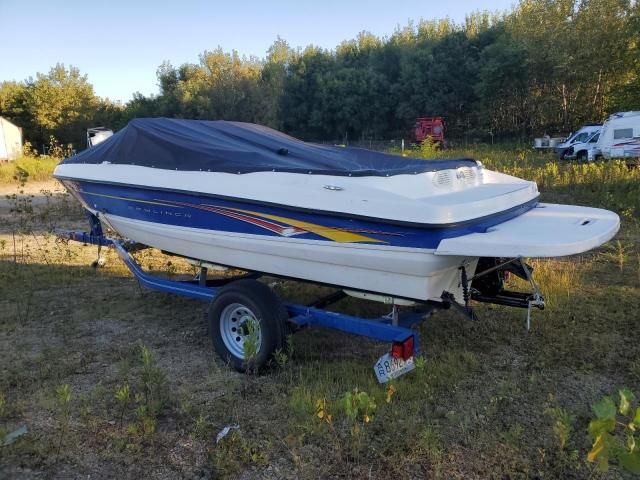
point(411, 273)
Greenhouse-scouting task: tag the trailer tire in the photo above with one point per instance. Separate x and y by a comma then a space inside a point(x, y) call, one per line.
point(247, 310)
point(582, 156)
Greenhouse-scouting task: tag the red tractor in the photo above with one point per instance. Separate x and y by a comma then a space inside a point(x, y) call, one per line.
point(429, 127)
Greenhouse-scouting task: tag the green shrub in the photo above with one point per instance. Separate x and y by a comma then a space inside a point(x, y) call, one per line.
point(614, 432)
point(36, 169)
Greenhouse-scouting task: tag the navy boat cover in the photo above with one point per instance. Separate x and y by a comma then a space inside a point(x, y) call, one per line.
point(235, 147)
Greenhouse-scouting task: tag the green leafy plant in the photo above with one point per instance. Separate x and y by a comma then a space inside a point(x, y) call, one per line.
point(301, 403)
point(200, 427)
point(153, 383)
point(618, 253)
point(615, 433)
point(122, 397)
point(199, 422)
point(358, 408)
point(282, 356)
point(427, 148)
point(147, 423)
point(144, 389)
point(562, 425)
point(429, 443)
point(57, 150)
point(63, 401)
point(236, 451)
point(149, 390)
point(28, 150)
point(252, 342)
point(391, 390)
point(321, 411)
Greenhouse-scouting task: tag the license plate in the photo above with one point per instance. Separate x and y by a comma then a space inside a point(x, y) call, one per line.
point(387, 368)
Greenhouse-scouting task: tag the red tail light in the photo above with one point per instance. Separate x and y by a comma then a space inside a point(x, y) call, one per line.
point(403, 349)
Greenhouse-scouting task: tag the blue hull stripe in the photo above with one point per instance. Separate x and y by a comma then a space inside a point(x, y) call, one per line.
point(195, 211)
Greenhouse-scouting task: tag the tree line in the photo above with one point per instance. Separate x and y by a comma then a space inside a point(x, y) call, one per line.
point(547, 66)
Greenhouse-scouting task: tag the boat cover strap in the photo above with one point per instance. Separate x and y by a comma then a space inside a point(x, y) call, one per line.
point(235, 147)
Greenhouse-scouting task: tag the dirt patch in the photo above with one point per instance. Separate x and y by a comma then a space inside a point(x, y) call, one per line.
point(32, 190)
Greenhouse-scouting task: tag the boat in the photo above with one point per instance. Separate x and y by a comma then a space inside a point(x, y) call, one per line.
point(382, 226)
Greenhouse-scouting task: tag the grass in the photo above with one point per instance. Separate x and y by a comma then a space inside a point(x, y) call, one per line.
point(39, 169)
point(148, 397)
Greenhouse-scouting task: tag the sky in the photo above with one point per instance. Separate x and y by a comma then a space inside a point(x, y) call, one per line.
point(119, 44)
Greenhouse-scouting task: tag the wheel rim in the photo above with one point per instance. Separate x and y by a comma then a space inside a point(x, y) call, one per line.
point(237, 324)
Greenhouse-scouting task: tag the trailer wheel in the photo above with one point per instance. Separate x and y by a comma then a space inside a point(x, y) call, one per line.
point(246, 314)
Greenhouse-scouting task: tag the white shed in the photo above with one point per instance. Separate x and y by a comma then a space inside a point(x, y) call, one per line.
point(10, 140)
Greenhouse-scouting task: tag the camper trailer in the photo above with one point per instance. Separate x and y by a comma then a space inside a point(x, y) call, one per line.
point(10, 141)
point(620, 137)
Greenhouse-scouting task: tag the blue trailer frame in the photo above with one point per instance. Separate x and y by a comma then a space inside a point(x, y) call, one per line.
point(395, 327)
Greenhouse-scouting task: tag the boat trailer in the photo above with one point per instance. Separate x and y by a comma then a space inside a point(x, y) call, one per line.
point(396, 327)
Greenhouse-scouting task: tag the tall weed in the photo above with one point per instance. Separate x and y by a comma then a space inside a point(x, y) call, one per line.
point(37, 169)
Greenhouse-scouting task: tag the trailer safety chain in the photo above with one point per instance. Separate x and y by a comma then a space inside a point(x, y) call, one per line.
point(497, 267)
point(96, 230)
point(465, 286)
point(467, 312)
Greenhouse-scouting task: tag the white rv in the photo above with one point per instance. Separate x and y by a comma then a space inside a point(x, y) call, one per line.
point(581, 136)
point(10, 140)
point(580, 150)
point(620, 137)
